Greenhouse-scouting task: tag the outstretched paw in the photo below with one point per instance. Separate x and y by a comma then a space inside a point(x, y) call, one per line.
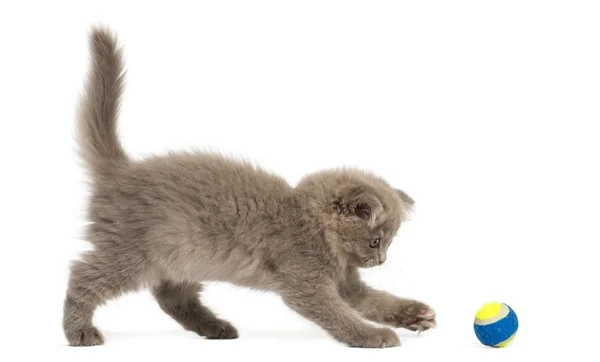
point(377, 338)
point(413, 315)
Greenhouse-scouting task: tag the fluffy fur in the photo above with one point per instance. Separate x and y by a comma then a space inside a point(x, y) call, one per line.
point(171, 222)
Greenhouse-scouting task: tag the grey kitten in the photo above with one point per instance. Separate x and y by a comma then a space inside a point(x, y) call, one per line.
point(171, 222)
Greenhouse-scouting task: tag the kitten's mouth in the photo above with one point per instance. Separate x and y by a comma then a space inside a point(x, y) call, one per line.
point(369, 263)
point(364, 262)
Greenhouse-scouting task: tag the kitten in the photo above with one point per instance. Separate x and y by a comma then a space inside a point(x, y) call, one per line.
point(171, 222)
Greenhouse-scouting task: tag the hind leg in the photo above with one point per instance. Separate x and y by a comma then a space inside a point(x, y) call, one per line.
point(181, 301)
point(92, 282)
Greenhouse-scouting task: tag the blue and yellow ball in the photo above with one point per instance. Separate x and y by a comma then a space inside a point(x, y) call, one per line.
point(496, 324)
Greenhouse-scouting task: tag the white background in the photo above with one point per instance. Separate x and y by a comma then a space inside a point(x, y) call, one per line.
point(485, 112)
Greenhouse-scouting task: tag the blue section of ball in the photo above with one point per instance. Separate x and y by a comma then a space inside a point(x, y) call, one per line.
point(498, 332)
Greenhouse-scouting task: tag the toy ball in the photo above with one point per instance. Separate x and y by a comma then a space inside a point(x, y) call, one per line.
point(496, 324)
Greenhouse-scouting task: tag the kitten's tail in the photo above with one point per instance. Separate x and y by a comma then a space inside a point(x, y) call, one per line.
point(98, 112)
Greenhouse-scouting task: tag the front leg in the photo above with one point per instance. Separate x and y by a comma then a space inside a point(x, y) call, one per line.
point(382, 307)
point(320, 303)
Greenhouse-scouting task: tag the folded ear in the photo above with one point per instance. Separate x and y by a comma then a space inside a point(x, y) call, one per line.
point(405, 198)
point(357, 201)
point(407, 201)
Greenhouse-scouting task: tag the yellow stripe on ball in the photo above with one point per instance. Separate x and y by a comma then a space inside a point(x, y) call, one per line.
point(489, 310)
point(507, 342)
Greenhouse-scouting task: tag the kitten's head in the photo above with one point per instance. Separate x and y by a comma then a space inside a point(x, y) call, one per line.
point(360, 211)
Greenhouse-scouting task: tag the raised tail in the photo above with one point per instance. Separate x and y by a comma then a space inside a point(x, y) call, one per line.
point(98, 112)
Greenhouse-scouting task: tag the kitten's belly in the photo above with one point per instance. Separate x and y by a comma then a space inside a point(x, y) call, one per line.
point(245, 269)
point(212, 261)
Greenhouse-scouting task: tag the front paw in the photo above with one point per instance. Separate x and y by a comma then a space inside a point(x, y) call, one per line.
point(375, 338)
point(412, 315)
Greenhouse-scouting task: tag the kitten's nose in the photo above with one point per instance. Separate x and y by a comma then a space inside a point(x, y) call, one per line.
point(381, 259)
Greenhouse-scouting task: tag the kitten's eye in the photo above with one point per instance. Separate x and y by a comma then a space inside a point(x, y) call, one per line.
point(375, 243)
